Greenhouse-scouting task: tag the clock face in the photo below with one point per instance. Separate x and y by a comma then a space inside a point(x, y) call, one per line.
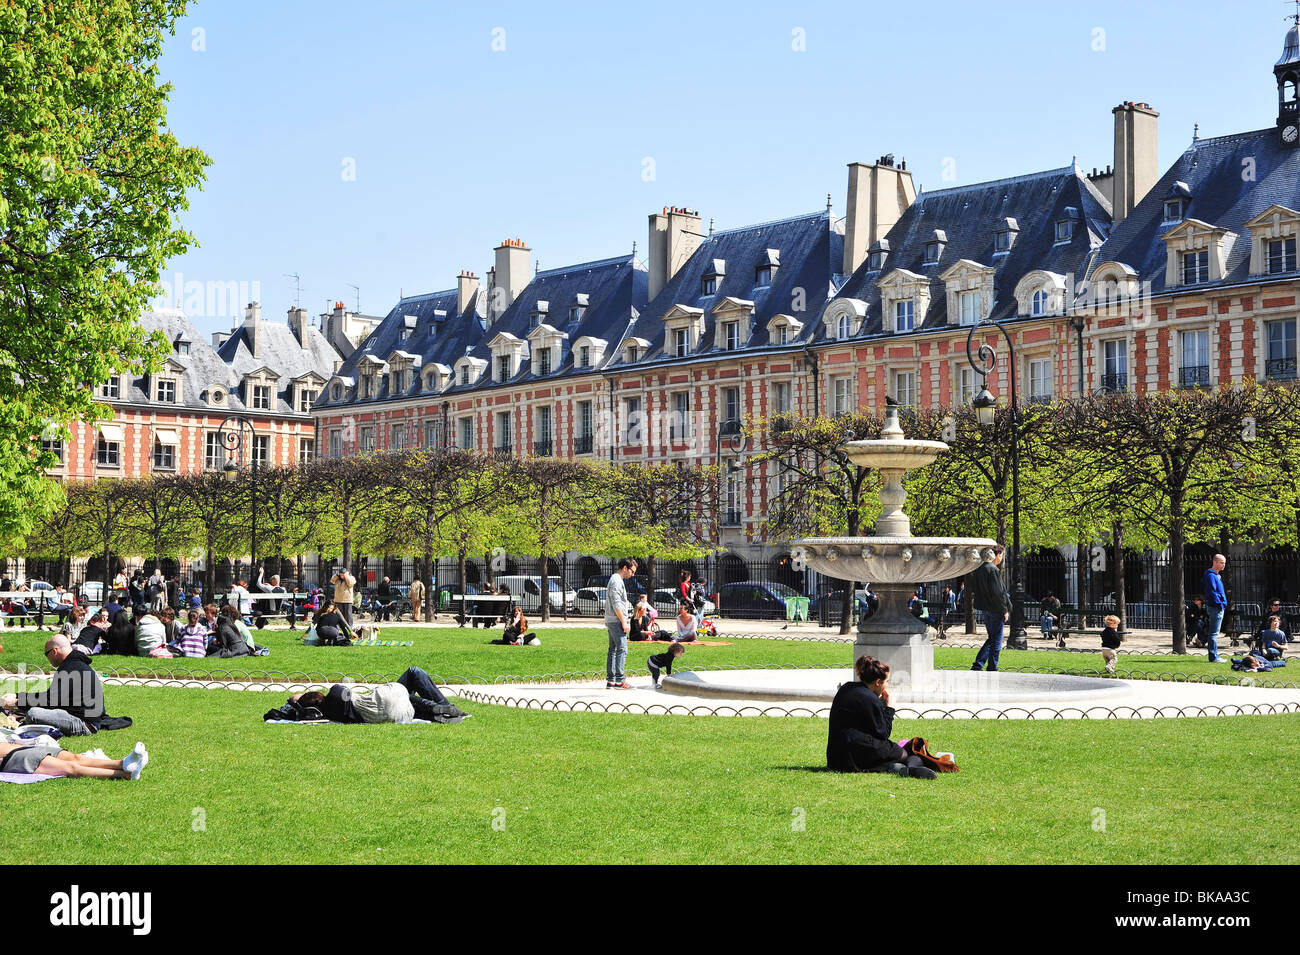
point(1290, 134)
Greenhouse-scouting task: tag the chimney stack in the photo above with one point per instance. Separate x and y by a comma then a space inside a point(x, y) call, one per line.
point(466, 288)
point(298, 324)
point(674, 237)
point(253, 324)
point(1136, 162)
point(509, 276)
point(878, 196)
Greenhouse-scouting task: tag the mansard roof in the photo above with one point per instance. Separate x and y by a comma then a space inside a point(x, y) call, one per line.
point(969, 217)
point(1231, 179)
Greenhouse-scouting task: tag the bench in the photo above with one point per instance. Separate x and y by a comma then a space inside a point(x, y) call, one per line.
point(1090, 621)
point(291, 610)
point(43, 609)
point(501, 600)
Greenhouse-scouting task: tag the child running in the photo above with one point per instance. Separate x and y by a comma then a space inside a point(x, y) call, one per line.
point(1110, 641)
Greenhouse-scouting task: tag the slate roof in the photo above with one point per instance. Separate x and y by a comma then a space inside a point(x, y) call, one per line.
point(969, 217)
point(203, 367)
point(283, 354)
point(809, 251)
point(1213, 170)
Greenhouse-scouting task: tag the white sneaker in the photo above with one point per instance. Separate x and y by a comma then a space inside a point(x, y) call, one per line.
point(135, 761)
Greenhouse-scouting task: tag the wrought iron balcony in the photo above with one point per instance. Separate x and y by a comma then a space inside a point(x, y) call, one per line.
point(1280, 369)
point(503, 450)
point(542, 448)
point(731, 518)
point(1194, 376)
point(582, 444)
point(1115, 383)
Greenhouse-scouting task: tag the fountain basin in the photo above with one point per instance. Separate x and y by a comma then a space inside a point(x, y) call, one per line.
point(897, 560)
point(893, 454)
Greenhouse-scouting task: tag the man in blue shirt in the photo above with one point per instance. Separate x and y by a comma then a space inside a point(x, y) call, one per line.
point(1216, 602)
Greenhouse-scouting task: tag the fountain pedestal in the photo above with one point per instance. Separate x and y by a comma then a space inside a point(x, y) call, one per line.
point(893, 636)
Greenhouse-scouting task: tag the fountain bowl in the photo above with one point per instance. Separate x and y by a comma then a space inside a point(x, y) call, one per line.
point(895, 560)
point(893, 454)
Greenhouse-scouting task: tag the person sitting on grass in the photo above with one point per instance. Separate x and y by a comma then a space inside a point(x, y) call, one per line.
point(53, 760)
point(74, 701)
point(861, 720)
point(1110, 641)
point(638, 626)
point(1272, 639)
point(331, 629)
point(663, 662)
point(232, 638)
point(687, 623)
point(515, 628)
point(194, 636)
point(414, 695)
point(151, 636)
point(95, 631)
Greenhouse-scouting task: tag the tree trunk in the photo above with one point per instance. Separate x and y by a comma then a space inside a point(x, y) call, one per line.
point(209, 578)
point(464, 589)
point(1177, 572)
point(1081, 576)
point(1121, 596)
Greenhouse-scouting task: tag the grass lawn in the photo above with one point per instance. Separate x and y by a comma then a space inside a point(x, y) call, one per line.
point(568, 787)
point(462, 655)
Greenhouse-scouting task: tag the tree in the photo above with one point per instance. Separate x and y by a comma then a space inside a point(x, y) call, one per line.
point(155, 513)
point(90, 182)
point(345, 494)
point(286, 515)
point(94, 506)
point(824, 493)
point(1190, 449)
point(213, 501)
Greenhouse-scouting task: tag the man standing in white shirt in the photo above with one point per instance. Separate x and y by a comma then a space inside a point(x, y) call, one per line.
point(617, 622)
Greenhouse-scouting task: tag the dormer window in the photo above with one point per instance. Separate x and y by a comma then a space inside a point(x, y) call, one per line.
point(783, 329)
point(261, 398)
point(934, 247)
point(878, 255)
point(1038, 305)
point(1196, 267)
point(730, 335)
point(1004, 235)
point(336, 393)
point(368, 386)
point(538, 315)
point(844, 327)
point(181, 345)
point(1065, 225)
point(1174, 209)
point(1040, 293)
point(716, 271)
point(710, 286)
point(397, 382)
point(306, 398)
point(969, 303)
point(167, 390)
point(681, 342)
point(1281, 256)
point(584, 356)
point(576, 312)
point(464, 374)
point(766, 268)
point(431, 381)
point(503, 368)
point(544, 362)
point(904, 315)
point(1176, 200)
point(112, 389)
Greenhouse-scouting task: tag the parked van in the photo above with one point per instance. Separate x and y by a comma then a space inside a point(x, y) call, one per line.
point(527, 592)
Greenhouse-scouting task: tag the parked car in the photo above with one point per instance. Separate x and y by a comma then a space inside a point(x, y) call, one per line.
point(833, 601)
point(754, 600)
point(527, 593)
point(635, 588)
point(591, 601)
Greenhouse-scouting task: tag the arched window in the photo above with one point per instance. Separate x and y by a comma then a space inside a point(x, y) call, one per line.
point(1039, 307)
point(844, 327)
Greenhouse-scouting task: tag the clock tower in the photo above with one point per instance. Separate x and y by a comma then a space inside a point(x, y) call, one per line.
point(1287, 72)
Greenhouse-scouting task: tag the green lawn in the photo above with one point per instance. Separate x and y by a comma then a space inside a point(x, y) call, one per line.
point(462, 655)
point(567, 787)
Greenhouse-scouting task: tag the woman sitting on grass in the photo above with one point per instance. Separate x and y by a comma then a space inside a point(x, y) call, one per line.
point(232, 638)
point(860, 723)
point(687, 623)
point(331, 629)
point(51, 760)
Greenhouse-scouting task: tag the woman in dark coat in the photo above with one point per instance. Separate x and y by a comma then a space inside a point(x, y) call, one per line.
point(121, 635)
point(860, 724)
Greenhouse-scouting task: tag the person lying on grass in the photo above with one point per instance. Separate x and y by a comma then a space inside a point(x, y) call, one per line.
point(51, 760)
point(413, 696)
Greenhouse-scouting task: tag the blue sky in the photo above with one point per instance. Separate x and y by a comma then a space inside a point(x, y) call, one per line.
point(566, 124)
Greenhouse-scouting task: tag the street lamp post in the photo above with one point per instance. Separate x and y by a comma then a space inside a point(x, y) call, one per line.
point(231, 436)
point(985, 406)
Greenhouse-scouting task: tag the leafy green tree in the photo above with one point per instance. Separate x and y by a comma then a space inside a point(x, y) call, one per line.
point(90, 183)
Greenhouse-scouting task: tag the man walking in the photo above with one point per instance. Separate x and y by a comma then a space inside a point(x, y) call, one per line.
point(990, 595)
point(617, 622)
point(417, 600)
point(1216, 602)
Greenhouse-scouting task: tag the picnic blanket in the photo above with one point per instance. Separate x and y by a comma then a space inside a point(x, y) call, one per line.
point(319, 722)
point(687, 643)
point(21, 778)
point(383, 643)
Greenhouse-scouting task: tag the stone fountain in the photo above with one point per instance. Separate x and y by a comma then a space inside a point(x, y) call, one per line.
point(893, 561)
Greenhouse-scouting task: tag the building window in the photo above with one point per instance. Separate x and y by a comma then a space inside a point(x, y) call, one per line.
point(397, 439)
point(108, 454)
point(54, 447)
point(464, 374)
point(969, 304)
point(843, 401)
point(504, 442)
point(433, 434)
point(544, 362)
point(1194, 370)
point(112, 389)
point(467, 434)
point(262, 450)
point(763, 276)
point(730, 411)
point(214, 457)
point(905, 388)
point(261, 397)
point(582, 444)
point(576, 312)
point(1173, 210)
point(679, 427)
point(965, 386)
point(1002, 240)
point(844, 327)
point(167, 390)
point(503, 368)
point(306, 449)
point(904, 316)
point(1196, 267)
point(306, 398)
point(1040, 379)
point(336, 444)
point(1281, 256)
point(1280, 362)
point(781, 397)
point(875, 261)
point(1038, 304)
point(932, 252)
point(1114, 376)
point(732, 515)
point(164, 456)
point(710, 285)
point(681, 342)
point(366, 437)
point(545, 436)
point(632, 419)
point(731, 335)
point(1064, 230)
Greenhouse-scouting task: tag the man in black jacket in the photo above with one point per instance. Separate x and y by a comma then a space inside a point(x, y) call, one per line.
point(74, 702)
point(990, 595)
